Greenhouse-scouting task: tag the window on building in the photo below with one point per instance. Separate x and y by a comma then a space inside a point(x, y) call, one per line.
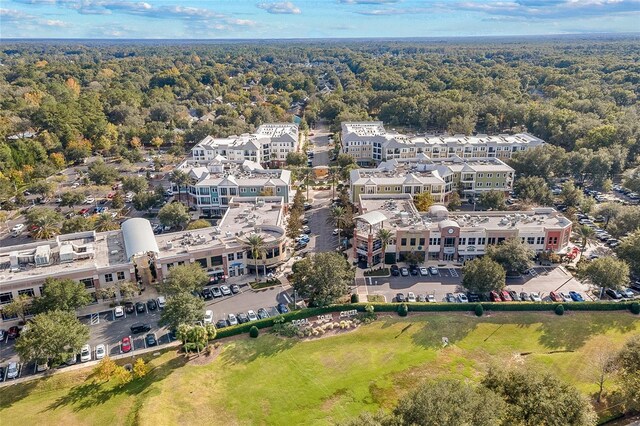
point(462, 241)
point(230, 256)
point(482, 241)
point(239, 255)
point(522, 239)
point(540, 240)
point(531, 240)
point(403, 242)
point(202, 262)
point(501, 239)
point(88, 283)
point(480, 175)
point(108, 278)
point(422, 241)
point(472, 241)
point(216, 260)
point(120, 275)
point(489, 175)
point(412, 241)
point(479, 184)
point(27, 291)
point(181, 263)
point(492, 240)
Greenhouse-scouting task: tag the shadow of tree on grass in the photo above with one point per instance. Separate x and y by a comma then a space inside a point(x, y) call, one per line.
point(248, 350)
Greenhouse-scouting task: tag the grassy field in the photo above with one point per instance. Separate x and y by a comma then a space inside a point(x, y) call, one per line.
point(270, 380)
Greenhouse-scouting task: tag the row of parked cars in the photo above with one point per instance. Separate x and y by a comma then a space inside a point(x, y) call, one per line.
point(413, 270)
point(494, 296)
point(600, 233)
point(242, 317)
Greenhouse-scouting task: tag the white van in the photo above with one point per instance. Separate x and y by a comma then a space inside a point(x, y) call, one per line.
point(17, 229)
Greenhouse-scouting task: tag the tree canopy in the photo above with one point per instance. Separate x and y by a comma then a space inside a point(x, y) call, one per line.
point(512, 254)
point(181, 308)
point(322, 278)
point(63, 295)
point(184, 279)
point(606, 272)
point(483, 275)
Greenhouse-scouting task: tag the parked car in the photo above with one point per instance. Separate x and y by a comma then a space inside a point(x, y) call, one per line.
point(252, 315)
point(450, 298)
point(85, 353)
point(129, 307)
point(462, 298)
point(152, 305)
point(125, 344)
point(555, 297)
point(207, 294)
point(2, 371)
point(473, 297)
point(262, 313)
point(235, 289)
point(161, 302)
point(225, 290)
point(433, 270)
point(565, 297)
point(400, 298)
point(614, 294)
point(575, 296)
point(404, 272)
point(628, 293)
point(150, 340)
point(242, 318)
point(395, 271)
point(140, 328)
point(215, 291)
point(118, 311)
point(514, 295)
point(100, 351)
point(505, 296)
point(411, 297)
point(422, 298)
point(13, 370)
point(13, 332)
point(495, 297)
point(208, 316)
point(524, 296)
point(221, 323)
point(431, 298)
point(232, 320)
point(140, 307)
point(535, 297)
point(3, 335)
point(282, 308)
point(424, 271)
point(413, 270)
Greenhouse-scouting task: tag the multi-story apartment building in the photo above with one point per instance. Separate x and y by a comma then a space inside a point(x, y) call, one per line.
point(269, 144)
point(441, 235)
point(134, 253)
point(218, 180)
point(440, 177)
point(369, 143)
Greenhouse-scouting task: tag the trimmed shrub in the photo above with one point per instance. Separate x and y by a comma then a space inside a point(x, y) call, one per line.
point(355, 298)
point(254, 332)
point(403, 310)
point(559, 310)
point(635, 308)
point(479, 310)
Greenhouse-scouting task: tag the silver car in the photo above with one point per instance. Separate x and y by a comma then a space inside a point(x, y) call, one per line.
point(12, 370)
point(231, 318)
point(535, 297)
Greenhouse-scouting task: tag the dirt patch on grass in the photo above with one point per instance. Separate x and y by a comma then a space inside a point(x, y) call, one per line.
point(205, 358)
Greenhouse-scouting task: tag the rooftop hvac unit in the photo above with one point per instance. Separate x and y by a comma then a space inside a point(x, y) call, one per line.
point(169, 245)
point(113, 252)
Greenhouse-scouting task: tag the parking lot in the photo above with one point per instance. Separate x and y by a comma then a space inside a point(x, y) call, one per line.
point(542, 280)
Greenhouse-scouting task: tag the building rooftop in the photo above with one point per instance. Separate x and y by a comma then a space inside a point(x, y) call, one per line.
point(70, 252)
point(364, 128)
point(277, 130)
point(243, 173)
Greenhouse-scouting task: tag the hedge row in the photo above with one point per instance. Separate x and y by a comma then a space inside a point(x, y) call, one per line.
point(426, 307)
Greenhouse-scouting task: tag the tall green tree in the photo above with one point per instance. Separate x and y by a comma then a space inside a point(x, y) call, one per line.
point(629, 250)
point(136, 184)
point(586, 235)
point(184, 279)
point(258, 249)
point(181, 308)
point(493, 200)
point(19, 306)
point(339, 218)
point(628, 363)
point(323, 278)
point(44, 222)
point(385, 236)
point(105, 222)
point(102, 173)
point(512, 254)
point(62, 295)
point(606, 272)
point(533, 189)
point(71, 198)
point(570, 195)
point(174, 215)
point(483, 275)
point(52, 336)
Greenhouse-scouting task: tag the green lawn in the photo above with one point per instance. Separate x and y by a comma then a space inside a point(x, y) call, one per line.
point(270, 380)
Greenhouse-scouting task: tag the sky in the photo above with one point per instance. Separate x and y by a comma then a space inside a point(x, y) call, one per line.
point(265, 19)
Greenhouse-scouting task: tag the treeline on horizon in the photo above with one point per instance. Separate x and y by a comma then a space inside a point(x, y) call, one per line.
point(81, 99)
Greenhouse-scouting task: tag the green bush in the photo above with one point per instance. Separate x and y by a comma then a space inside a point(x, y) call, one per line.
point(559, 310)
point(254, 332)
point(403, 310)
point(355, 298)
point(479, 310)
point(635, 308)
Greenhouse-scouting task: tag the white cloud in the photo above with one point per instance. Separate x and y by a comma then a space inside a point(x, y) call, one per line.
point(368, 1)
point(284, 7)
point(18, 17)
point(550, 9)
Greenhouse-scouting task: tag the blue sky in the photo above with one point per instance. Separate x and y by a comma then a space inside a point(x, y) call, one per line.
point(216, 19)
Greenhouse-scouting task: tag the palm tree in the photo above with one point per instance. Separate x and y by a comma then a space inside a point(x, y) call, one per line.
point(180, 179)
point(257, 249)
point(333, 177)
point(44, 226)
point(384, 235)
point(338, 218)
point(586, 234)
point(105, 223)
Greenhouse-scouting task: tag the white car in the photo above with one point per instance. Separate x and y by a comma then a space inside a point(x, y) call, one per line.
point(462, 298)
point(161, 302)
point(169, 192)
point(17, 228)
point(252, 316)
point(566, 297)
point(12, 370)
point(89, 200)
point(411, 297)
point(100, 351)
point(628, 293)
point(118, 311)
point(336, 231)
point(232, 320)
point(208, 316)
point(85, 353)
point(535, 297)
point(431, 298)
point(424, 271)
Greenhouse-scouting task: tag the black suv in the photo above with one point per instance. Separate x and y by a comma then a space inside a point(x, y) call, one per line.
point(152, 305)
point(140, 328)
point(129, 307)
point(395, 271)
point(207, 294)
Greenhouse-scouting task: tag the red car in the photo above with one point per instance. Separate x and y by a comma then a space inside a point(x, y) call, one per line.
point(495, 297)
point(110, 195)
point(555, 297)
point(505, 296)
point(125, 345)
point(83, 211)
point(13, 332)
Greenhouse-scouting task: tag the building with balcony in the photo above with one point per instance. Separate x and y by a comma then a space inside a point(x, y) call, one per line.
point(439, 177)
point(443, 236)
point(269, 144)
point(215, 182)
point(370, 143)
point(134, 253)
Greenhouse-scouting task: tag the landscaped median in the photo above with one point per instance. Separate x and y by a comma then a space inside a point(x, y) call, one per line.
point(428, 307)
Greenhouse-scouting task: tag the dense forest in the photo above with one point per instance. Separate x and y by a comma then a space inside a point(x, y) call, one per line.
point(61, 102)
